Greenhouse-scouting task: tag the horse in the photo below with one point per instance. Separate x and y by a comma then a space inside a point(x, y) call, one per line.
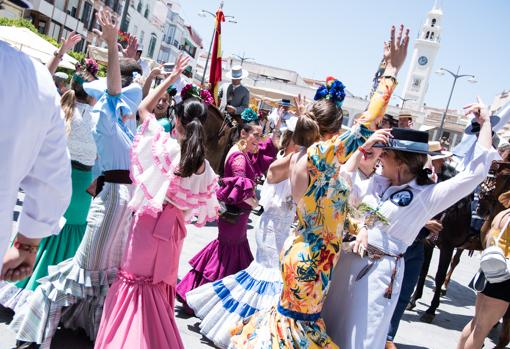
point(218, 127)
point(456, 230)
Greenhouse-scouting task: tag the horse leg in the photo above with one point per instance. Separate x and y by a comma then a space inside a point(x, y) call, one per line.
point(504, 335)
point(453, 265)
point(418, 293)
point(444, 261)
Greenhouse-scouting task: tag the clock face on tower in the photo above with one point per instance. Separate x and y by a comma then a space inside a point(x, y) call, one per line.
point(423, 60)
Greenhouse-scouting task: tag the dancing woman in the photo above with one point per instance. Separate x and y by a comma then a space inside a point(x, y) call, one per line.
point(391, 209)
point(312, 250)
point(77, 107)
point(230, 252)
point(74, 291)
point(222, 304)
point(174, 185)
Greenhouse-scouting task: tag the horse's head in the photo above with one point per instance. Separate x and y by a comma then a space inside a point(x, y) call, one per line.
point(494, 185)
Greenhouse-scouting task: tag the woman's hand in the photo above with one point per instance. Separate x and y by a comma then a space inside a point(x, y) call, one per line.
point(379, 136)
point(301, 104)
point(180, 65)
point(395, 51)
point(479, 111)
point(361, 243)
point(132, 47)
point(434, 226)
point(70, 42)
point(109, 27)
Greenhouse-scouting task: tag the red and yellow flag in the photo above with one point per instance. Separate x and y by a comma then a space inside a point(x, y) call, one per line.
point(215, 72)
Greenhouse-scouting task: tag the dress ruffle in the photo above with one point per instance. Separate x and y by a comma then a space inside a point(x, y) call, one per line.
point(67, 285)
point(264, 157)
point(222, 304)
point(213, 262)
point(155, 156)
point(235, 190)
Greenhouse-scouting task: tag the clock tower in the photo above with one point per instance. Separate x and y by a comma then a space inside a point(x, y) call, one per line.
point(422, 62)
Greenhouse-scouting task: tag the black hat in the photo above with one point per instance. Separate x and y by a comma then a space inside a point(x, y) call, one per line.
point(285, 102)
point(409, 140)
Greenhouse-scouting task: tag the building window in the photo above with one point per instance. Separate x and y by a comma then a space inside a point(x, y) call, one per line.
point(55, 29)
point(60, 4)
point(416, 84)
point(433, 22)
point(140, 39)
point(79, 46)
point(72, 8)
point(85, 16)
point(432, 36)
point(93, 23)
point(139, 7)
point(124, 26)
point(41, 27)
point(146, 13)
point(427, 35)
point(152, 45)
point(135, 30)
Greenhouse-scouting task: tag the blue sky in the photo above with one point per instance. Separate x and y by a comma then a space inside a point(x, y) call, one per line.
point(345, 38)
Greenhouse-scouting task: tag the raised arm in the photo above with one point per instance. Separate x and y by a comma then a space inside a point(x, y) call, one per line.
point(395, 52)
point(150, 79)
point(149, 103)
point(67, 46)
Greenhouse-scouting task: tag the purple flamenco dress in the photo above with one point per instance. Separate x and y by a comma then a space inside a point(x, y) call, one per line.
point(230, 252)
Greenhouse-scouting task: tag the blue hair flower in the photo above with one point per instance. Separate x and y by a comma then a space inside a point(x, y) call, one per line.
point(334, 90)
point(321, 93)
point(249, 115)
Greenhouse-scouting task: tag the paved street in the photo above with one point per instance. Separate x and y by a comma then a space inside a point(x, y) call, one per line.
point(456, 309)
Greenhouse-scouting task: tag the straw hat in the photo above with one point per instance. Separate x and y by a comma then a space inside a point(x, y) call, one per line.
point(436, 151)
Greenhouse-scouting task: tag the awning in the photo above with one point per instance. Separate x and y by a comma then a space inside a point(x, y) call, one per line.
point(33, 45)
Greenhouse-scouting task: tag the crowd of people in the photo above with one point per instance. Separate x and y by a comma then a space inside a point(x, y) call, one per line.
point(113, 169)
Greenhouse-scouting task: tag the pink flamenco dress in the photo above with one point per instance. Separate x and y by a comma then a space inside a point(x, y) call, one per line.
point(230, 252)
point(139, 308)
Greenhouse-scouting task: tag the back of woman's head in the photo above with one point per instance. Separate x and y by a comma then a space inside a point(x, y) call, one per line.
point(416, 165)
point(192, 114)
point(128, 66)
point(307, 132)
point(327, 115)
point(70, 97)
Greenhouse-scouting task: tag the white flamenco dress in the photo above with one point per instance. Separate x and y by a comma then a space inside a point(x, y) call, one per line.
point(222, 304)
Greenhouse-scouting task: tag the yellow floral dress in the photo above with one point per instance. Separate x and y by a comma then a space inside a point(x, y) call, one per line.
point(311, 252)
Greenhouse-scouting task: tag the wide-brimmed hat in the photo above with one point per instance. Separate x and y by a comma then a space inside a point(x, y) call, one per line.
point(237, 73)
point(405, 114)
point(474, 127)
point(285, 102)
point(408, 140)
point(436, 151)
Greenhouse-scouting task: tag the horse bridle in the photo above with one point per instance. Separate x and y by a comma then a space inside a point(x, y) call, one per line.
point(228, 121)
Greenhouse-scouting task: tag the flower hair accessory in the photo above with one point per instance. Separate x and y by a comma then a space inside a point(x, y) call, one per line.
point(78, 79)
point(191, 90)
point(249, 115)
point(333, 90)
point(91, 66)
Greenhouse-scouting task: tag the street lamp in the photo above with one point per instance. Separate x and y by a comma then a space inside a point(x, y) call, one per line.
point(243, 58)
point(456, 76)
point(203, 14)
point(404, 100)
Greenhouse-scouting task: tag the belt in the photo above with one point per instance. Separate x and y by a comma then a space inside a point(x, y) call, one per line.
point(113, 176)
point(79, 166)
point(297, 315)
point(374, 254)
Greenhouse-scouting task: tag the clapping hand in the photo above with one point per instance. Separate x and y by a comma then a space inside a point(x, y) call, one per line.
point(70, 42)
point(109, 27)
point(132, 47)
point(395, 50)
point(301, 104)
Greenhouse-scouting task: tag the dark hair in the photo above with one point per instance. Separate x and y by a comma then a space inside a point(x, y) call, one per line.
point(192, 114)
point(128, 66)
point(247, 127)
point(415, 163)
point(327, 115)
point(307, 132)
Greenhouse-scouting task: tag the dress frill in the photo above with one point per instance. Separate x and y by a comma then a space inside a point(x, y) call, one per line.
point(270, 329)
point(52, 250)
point(224, 303)
point(67, 285)
point(142, 313)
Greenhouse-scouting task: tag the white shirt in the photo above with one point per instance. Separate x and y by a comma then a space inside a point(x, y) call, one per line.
point(145, 67)
point(179, 85)
point(33, 148)
point(81, 143)
point(405, 222)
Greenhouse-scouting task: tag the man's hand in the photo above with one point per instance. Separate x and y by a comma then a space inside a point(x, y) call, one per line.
point(434, 226)
point(231, 109)
point(17, 265)
point(395, 50)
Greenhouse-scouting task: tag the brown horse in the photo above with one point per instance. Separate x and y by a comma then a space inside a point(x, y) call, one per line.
point(218, 127)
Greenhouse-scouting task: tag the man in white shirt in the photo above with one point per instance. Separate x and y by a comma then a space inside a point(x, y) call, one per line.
point(34, 157)
point(143, 63)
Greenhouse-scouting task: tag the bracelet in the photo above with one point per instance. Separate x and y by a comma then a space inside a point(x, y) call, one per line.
point(363, 151)
point(25, 247)
point(58, 54)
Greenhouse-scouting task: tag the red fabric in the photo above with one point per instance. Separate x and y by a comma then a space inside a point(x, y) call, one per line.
point(215, 72)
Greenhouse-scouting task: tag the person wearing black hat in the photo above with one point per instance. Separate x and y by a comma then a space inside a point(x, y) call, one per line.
point(390, 209)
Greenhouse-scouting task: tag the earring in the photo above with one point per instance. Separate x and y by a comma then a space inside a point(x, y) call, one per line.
point(241, 144)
